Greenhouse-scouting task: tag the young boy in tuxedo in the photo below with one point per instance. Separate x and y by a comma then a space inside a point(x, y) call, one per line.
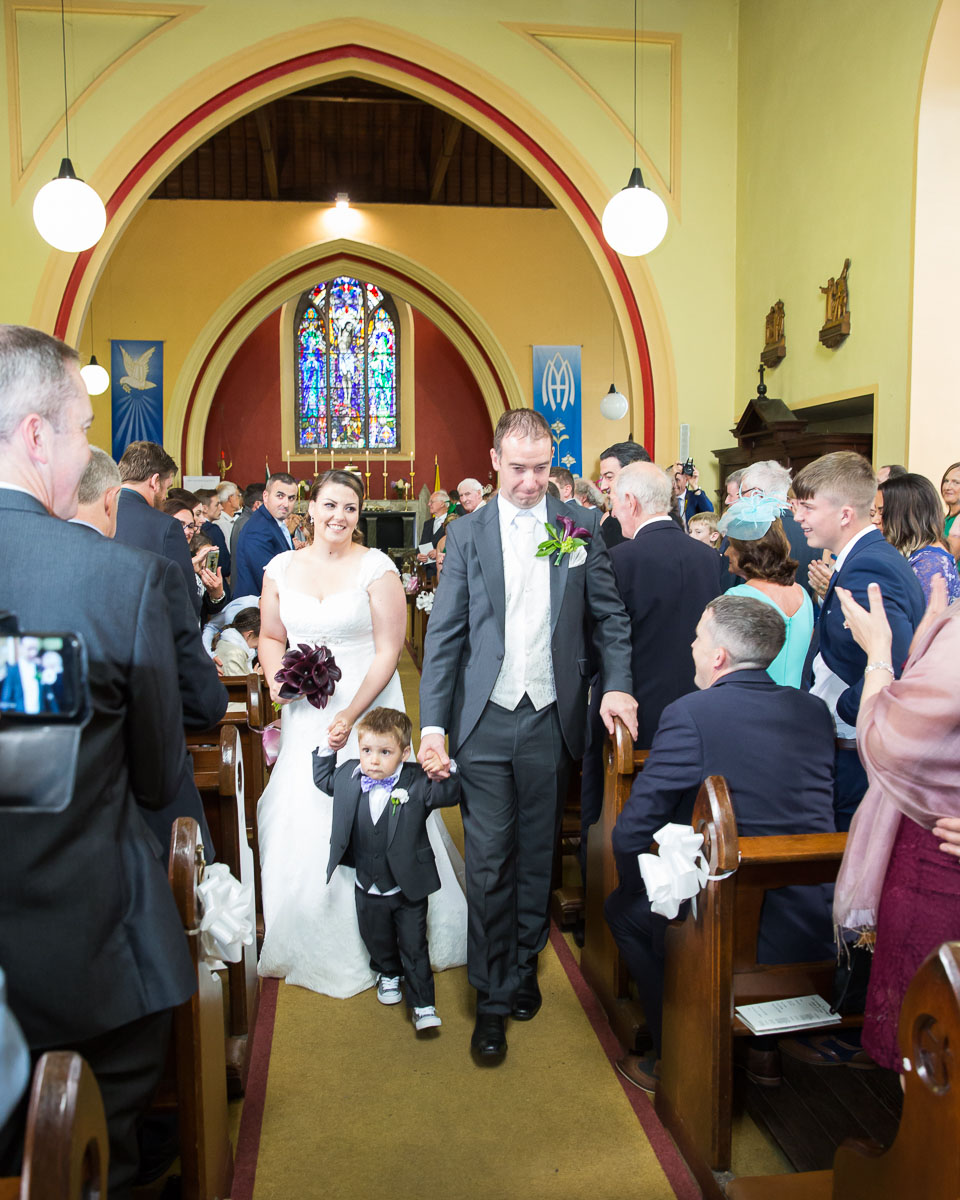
point(380, 808)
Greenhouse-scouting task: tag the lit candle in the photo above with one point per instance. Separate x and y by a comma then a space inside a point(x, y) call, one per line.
point(331, 458)
point(288, 462)
point(367, 457)
point(314, 459)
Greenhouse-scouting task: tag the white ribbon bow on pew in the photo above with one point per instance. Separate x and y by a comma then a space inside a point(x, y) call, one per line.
point(677, 873)
point(226, 925)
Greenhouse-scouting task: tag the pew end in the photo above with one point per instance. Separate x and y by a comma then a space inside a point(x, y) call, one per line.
point(924, 1159)
point(600, 960)
point(206, 1156)
point(66, 1152)
point(711, 967)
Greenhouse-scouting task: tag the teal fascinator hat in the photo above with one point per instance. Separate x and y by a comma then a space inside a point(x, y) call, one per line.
point(749, 518)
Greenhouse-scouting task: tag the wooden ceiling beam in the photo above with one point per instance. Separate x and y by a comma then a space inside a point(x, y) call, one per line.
point(269, 157)
point(448, 144)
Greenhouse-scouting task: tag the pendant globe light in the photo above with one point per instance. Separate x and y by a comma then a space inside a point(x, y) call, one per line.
point(614, 406)
point(68, 213)
point(93, 375)
point(635, 219)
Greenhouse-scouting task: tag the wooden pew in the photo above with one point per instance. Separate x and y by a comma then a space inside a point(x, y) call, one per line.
point(600, 960)
point(924, 1160)
point(66, 1152)
point(218, 771)
point(711, 967)
point(206, 1156)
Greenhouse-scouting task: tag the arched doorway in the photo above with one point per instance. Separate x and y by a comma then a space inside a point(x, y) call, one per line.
point(547, 158)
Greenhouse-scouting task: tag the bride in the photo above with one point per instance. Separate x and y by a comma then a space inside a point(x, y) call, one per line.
point(338, 594)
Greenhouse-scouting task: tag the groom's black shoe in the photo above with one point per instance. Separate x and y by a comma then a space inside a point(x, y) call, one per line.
point(489, 1042)
point(527, 1001)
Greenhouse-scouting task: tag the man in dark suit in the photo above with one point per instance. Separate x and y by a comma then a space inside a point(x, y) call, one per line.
point(252, 500)
point(690, 497)
point(612, 462)
point(90, 937)
point(265, 535)
point(434, 530)
point(834, 494)
point(505, 674)
point(774, 747)
point(147, 472)
point(665, 580)
point(203, 696)
point(209, 528)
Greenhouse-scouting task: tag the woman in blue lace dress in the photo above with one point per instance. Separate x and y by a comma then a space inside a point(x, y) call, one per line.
point(912, 520)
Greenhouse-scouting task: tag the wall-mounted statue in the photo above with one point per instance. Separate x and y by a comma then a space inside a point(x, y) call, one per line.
point(774, 344)
point(836, 324)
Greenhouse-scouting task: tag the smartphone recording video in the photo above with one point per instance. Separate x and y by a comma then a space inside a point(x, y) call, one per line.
point(212, 561)
point(40, 677)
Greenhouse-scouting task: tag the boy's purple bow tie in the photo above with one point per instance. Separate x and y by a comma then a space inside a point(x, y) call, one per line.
point(367, 784)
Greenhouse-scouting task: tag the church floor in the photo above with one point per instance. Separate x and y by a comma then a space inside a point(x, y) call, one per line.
point(344, 1100)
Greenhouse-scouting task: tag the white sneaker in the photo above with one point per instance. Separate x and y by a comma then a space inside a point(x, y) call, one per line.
point(425, 1018)
point(388, 989)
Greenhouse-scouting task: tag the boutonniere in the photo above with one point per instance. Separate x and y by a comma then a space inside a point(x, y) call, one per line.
point(399, 796)
point(565, 538)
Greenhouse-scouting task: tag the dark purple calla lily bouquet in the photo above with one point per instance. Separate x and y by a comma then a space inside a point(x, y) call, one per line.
point(565, 537)
point(310, 672)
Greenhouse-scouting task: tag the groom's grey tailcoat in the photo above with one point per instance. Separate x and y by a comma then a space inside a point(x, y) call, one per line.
point(465, 635)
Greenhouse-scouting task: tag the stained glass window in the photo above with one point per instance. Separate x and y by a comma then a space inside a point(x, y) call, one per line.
point(347, 368)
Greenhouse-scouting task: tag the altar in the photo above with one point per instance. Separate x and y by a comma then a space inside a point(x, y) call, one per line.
point(389, 524)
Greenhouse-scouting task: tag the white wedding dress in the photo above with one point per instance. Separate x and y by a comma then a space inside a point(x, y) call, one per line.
point(312, 938)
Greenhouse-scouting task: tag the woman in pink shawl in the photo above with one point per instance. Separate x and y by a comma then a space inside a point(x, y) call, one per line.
point(898, 884)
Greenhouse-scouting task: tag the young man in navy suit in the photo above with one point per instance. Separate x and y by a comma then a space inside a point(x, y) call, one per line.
point(834, 495)
point(265, 535)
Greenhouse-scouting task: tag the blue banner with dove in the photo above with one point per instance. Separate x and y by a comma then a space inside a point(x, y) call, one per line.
point(136, 393)
point(556, 394)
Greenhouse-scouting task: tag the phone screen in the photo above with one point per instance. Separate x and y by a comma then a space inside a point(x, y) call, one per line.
point(212, 559)
point(40, 677)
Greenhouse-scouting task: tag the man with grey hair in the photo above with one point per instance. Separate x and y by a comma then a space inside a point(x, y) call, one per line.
point(434, 529)
point(90, 937)
point(665, 579)
point(470, 494)
point(231, 501)
point(774, 747)
point(98, 493)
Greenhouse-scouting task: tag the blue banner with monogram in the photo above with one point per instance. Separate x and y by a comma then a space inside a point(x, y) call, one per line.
point(556, 394)
point(136, 393)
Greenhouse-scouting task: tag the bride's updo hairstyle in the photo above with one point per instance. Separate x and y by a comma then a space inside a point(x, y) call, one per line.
point(343, 479)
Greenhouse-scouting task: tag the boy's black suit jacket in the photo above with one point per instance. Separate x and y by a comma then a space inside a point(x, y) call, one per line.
point(409, 854)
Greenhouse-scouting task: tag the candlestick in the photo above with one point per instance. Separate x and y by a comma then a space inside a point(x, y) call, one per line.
point(366, 476)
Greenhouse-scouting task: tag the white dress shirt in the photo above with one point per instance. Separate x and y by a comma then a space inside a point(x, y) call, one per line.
point(285, 531)
point(527, 667)
point(828, 686)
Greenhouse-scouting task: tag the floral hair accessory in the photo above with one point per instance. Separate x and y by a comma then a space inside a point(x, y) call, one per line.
point(749, 518)
point(308, 671)
point(564, 538)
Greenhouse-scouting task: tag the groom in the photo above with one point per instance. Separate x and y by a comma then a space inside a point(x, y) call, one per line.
point(505, 674)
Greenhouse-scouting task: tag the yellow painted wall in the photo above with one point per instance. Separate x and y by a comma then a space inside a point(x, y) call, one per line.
point(827, 131)
point(525, 272)
point(795, 137)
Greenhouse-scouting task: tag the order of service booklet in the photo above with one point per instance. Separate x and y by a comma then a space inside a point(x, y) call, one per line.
point(785, 1016)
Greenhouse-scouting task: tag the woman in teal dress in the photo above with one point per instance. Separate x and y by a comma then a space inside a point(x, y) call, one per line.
point(762, 556)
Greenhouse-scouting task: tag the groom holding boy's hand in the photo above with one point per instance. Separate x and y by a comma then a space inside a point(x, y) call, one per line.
point(506, 674)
